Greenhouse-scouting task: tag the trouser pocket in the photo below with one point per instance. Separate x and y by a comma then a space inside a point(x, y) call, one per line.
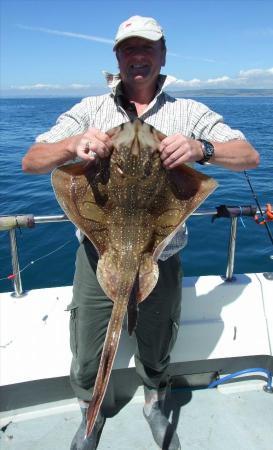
point(73, 328)
point(173, 336)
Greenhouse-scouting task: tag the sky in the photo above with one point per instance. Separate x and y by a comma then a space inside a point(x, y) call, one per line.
point(61, 47)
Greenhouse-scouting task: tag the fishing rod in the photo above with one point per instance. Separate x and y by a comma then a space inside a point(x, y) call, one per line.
point(259, 207)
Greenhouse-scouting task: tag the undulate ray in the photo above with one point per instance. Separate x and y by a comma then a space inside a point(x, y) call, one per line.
point(130, 208)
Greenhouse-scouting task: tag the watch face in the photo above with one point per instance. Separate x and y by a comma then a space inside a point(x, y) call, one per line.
point(209, 150)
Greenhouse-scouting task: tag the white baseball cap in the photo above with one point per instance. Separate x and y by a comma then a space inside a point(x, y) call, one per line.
point(138, 26)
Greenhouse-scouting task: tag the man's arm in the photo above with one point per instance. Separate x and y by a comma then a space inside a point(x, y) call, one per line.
point(44, 157)
point(235, 154)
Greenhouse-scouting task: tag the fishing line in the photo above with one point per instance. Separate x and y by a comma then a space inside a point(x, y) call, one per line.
point(259, 207)
point(13, 275)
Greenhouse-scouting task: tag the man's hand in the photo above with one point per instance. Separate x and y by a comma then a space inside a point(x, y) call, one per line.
point(43, 157)
point(178, 149)
point(91, 144)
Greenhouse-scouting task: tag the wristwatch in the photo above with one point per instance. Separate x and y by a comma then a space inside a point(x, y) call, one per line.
point(208, 151)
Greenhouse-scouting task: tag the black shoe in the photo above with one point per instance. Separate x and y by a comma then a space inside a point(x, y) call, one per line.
point(163, 431)
point(79, 441)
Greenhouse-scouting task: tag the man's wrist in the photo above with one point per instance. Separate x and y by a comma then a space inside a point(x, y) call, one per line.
point(71, 145)
point(200, 150)
point(207, 150)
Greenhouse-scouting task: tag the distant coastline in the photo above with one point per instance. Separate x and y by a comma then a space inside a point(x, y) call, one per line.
point(223, 93)
point(176, 93)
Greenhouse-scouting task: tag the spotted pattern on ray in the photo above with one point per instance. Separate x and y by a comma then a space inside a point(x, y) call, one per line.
point(130, 208)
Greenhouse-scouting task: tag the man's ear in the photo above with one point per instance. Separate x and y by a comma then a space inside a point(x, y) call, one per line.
point(163, 57)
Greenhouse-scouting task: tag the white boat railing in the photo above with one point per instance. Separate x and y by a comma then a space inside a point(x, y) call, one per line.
point(10, 223)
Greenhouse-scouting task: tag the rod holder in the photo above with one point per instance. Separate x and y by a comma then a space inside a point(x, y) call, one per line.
point(17, 282)
point(231, 249)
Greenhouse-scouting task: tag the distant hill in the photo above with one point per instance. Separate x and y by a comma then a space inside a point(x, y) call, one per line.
point(15, 93)
point(223, 93)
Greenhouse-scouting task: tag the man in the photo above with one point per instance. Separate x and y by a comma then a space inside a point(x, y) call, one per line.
point(194, 134)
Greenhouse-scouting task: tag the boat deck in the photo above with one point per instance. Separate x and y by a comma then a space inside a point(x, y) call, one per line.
point(207, 419)
point(225, 327)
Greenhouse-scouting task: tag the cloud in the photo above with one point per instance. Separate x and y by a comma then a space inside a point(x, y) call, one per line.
point(53, 90)
point(37, 86)
point(256, 73)
point(191, 58)
point(249, 79)
point(51, 87)
point(87, 37)
point(246, 79)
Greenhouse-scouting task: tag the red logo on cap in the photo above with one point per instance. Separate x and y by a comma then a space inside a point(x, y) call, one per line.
point(128, 24)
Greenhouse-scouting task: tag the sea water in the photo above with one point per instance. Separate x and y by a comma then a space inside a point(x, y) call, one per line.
point(206, 253)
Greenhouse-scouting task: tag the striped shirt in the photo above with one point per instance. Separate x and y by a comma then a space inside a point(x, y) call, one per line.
point(167, 114)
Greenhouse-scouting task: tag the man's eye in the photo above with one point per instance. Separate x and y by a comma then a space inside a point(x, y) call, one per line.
point(131, 49)
point(126, 49)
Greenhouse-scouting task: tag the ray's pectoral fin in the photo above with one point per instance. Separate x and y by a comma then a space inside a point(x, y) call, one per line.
point(190, 185)
point(81, 192)
point(185, 192)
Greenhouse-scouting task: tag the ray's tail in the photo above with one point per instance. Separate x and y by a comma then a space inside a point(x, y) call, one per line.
point(108, 354)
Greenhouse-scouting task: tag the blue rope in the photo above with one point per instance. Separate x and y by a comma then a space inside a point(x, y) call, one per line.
point(241, 372)
point(268, 387)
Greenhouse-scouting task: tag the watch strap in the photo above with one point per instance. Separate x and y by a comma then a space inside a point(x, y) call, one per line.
point(208, 151)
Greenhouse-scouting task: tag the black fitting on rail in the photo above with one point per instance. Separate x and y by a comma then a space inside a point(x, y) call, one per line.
point(234, 211)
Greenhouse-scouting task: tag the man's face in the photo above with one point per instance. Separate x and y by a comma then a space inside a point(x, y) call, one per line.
point(140, 60)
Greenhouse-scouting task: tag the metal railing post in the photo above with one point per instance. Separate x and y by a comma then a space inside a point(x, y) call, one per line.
point(17, 283)
point(11, 222)
point(231, 249)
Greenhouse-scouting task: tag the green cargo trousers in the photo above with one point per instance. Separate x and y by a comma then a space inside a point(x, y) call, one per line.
point(90, 311)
